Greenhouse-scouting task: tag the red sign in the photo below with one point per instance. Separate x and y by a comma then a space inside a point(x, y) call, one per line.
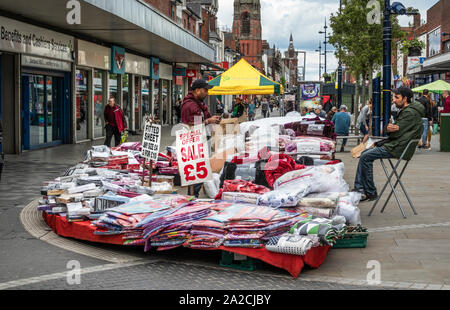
point(193, 154)
point(191, 73)
point(178, 80)
point(225, 65)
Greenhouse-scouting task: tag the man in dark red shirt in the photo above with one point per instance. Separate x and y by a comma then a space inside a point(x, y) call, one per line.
point(193, 106)
point(446, 102)
point(194, 112)
point(115, 122)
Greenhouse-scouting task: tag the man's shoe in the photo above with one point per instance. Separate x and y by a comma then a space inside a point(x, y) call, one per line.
point(369, 197)
point(342, 149)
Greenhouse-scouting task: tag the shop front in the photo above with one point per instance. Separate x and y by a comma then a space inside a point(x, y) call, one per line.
point(91, 90)
point(35, 66)
point(164, 109)
point(136, 91)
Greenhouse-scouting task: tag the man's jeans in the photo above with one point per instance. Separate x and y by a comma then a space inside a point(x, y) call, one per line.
point(426, 125)
point(364, 174)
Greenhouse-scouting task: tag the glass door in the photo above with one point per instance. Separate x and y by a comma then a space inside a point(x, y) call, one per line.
point(137, 102)
point(42, 104)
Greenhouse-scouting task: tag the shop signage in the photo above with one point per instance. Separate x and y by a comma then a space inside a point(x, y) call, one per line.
point(137, 65)
point(179, 80)
point(165, 72)
point(179, 72)
point(93, 55)
point(151, 141)
point(191, 73)
point(45, 63)
point(193, 156)
point(154, 68)
point(18, 37)
point(117, 60)
point(413, 62)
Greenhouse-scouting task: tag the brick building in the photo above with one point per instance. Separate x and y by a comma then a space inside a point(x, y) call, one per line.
point(291, 62)
point(247, 31)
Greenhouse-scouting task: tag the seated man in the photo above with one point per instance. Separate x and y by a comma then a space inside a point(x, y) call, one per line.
point(407, 127)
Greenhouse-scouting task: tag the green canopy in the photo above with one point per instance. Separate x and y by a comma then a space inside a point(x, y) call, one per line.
point(437, 87)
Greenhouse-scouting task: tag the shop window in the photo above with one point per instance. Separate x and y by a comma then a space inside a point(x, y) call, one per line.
point(126, 102)
point(99, 121)
point(145, 97)
point(82, 96)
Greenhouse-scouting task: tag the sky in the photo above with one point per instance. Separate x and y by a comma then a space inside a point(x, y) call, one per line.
point(304, 18)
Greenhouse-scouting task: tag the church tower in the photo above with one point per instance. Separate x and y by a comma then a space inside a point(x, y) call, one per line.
point(247, 31)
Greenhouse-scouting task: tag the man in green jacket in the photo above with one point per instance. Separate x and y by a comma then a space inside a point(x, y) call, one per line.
point(407, 127)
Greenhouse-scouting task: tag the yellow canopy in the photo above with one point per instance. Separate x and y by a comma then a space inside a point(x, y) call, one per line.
point(244, 79)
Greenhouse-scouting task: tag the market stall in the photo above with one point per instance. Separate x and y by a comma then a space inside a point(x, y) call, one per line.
point(276, 193)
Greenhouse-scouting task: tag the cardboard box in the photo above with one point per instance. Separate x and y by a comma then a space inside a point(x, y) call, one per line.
point(218, 160)
point(228, 126)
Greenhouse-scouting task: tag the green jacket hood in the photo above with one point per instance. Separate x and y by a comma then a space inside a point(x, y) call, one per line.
point(418, 107)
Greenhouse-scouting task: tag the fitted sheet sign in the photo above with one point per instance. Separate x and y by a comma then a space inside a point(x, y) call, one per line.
point(151, 141)
point(193, 156)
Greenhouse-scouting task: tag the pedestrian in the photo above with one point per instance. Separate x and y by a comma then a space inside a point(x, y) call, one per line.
point(331, 113)
point(407, 127)
point(115, 122)
point(435, 115)
point(219, 107)
point(363, 121)
point(430, 129)
point(304, 111)
point(271, 103)
point(427, 121)
point(239, 108)
point(265, 108)
point(194, 112)
point(251, 111)
point(341, 122)
point(446, 102)
point(327, 106)
point(282, 107)
point(318, 111)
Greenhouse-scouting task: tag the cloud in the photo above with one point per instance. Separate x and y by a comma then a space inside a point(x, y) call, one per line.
point(304, 19)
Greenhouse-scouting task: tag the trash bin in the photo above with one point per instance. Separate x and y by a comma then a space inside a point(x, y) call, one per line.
point(445, 132)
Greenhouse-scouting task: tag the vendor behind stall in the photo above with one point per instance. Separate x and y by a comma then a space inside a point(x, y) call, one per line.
point(193, 110)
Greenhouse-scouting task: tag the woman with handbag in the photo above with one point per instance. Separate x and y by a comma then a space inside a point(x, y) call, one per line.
point(115, 122)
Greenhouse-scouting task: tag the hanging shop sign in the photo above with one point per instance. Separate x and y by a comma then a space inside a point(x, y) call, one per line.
point(191, 73)
point(179, 72)
point(165, 72)
point(151, 141)
point(45, 63)
point(154, 68)
point(179, 80)
point(18, 37)
point(193, 156)
point(137, 65)
point(118, 60)
point(93, 55)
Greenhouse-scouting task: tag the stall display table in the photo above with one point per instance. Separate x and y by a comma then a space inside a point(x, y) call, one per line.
point(294, 264)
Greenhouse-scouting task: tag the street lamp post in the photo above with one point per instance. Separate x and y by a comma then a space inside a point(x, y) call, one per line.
point(395, 9)
point(320, 60)
point(339, 92)
point(326, 42)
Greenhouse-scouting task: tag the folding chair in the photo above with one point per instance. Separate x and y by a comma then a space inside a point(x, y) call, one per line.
point(412, 144)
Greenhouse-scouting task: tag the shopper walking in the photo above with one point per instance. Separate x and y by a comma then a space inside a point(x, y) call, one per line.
point(427, 120)
point(251, 111)
point(446, 102)
point(363, 122)
point(430, 128)
point(115, 122)
point(341, 122)
point(265, 108)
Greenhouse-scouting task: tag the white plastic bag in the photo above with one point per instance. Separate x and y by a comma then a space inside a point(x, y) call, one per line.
point(212, 187)
point(351, 213)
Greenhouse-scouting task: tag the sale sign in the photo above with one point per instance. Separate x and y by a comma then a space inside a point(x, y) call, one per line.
point(151, 141)
point(193, 156)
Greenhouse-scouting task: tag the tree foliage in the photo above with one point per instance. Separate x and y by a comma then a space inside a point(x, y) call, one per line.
point(358, 43)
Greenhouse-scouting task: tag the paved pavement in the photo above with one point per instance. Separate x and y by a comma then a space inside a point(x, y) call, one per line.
point(412, 252)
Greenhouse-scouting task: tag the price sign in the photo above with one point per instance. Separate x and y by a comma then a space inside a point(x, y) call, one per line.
point(193, 156)
point(151, 141)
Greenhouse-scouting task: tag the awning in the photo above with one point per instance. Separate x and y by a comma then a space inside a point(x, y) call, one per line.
point(437, 87)
point(133, 25)
point(244, 79)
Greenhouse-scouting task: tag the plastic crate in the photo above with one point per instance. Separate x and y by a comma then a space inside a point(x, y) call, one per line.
point(228, 260)
point(352, 240)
